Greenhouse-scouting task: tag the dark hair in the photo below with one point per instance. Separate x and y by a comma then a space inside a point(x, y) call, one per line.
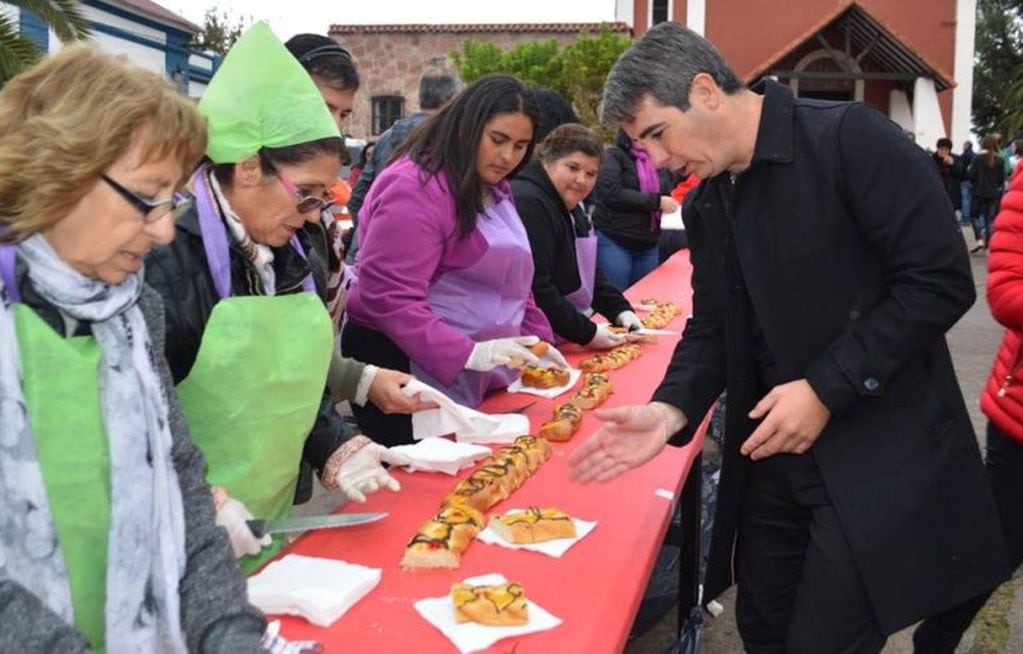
point(364, 154)
point(1018, 144)
point(944, 143)
point(436, 88)
point(662, 65)
point(326, 59)
point(990, 145)
point(568, 139)
point(290, 155)
point(555, 110)
point(442, 143)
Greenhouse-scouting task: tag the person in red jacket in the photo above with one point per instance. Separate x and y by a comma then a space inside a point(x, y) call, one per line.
point(1002, 403)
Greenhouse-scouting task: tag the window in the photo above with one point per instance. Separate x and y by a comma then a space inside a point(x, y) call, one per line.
point(658, 11)
point(386, 110)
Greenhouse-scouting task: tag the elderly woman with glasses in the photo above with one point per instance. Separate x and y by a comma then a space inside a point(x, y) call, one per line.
point(107, 532)
point(249, 338)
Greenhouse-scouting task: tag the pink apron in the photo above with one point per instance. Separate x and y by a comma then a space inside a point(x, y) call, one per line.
point(487, 300)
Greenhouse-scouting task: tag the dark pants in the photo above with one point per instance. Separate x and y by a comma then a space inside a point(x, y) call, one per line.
point(799, 588)
point(941, 633)
point(983, 212)
point(371, 346)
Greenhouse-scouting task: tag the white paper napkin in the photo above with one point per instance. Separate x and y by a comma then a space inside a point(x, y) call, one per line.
point(466, 424)
point(319, 590)
point(672, 220)
point(550, 393)
point(469, 636)
point(438, 454)
point(555, 548)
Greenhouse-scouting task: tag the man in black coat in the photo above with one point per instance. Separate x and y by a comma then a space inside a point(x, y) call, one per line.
point(826, 271)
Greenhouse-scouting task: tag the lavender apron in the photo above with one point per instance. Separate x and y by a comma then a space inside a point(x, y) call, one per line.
point(586, 260)
point(487, 300)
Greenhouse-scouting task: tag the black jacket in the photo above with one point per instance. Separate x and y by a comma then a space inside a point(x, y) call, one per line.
point(552, 232)
point(988, 181)
point(623, 211)
point(394, 136)
point(839, 239)
point(180, 274)
point(951, 176)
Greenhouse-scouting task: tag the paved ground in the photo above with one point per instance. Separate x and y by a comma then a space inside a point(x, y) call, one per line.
point(999, 628)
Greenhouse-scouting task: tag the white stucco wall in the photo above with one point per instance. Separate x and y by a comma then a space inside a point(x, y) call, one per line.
point(696, 15)
point(962, 95)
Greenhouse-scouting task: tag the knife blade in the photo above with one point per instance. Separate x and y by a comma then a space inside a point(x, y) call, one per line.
point(308, 523)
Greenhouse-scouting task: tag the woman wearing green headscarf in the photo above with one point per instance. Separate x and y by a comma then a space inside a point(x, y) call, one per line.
point(249, 340)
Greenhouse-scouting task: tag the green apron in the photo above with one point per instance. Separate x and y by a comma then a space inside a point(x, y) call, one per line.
point(254, 390)
point(61, 387)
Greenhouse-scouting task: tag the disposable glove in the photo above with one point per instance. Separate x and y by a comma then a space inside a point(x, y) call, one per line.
point(512, 352)
point(605, 339)
point(628, 319)
point(363, 473)
point(232, 515)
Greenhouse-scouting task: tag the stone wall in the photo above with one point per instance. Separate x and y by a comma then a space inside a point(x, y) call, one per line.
point(390, 62)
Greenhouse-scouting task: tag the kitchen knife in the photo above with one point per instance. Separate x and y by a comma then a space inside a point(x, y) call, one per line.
point(307, 523)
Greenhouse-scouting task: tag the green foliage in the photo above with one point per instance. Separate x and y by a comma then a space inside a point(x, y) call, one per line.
point(219, 31)
point(17, 51)
point(997, 67)
point(577, 72)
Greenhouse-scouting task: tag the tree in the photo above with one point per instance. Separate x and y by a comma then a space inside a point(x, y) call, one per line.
point(586, 63)
point(577, 72)
point(999, 57)
point(219, 31)
point(18, 51)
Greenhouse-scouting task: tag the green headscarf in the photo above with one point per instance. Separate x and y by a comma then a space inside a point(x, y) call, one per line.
point(262, 97)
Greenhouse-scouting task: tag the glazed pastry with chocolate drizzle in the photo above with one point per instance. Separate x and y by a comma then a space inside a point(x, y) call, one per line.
point(534, 525)
point(440, 542)
point(501, 605)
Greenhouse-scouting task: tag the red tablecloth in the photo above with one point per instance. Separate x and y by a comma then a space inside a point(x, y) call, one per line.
point(595, 588)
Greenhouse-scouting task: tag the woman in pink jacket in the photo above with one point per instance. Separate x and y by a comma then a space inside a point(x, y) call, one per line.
point(1002, 403)
point(445, 270)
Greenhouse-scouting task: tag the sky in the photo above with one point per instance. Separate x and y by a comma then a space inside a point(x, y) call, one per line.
point(295, 16)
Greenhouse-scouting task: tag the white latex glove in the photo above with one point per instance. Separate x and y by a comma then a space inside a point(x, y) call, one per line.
point(628, 319)
point(232, 516)
point(363, 473)
point(487, 355)
point(552, 354)
point(605, 339)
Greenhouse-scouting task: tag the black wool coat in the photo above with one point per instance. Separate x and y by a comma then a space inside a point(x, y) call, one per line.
point(552, 231)
point(840, 241)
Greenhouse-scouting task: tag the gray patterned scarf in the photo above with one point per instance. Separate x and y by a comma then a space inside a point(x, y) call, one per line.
point(146, 550)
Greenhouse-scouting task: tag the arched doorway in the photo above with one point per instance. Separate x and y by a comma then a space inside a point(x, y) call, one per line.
point(833, 64)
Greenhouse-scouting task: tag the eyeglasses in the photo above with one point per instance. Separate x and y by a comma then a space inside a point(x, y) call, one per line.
point(151, 211)
point(304, 203)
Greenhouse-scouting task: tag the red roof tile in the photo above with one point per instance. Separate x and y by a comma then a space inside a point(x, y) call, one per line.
point(553, 28)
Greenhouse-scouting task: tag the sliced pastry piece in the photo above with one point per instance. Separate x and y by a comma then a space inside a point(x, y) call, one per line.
point(595, 389)
point(501, 605)
point(534, 525)
point(440, 541)
point(537, 377)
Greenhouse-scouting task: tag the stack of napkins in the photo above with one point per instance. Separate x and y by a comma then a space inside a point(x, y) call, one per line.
point(550, 393)
point(556, 547)
point(466, 424)
point(319, 590)
point(441, 455)
point(469, 636)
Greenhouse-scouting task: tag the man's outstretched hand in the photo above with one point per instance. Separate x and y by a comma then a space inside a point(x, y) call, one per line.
point(629, 437)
